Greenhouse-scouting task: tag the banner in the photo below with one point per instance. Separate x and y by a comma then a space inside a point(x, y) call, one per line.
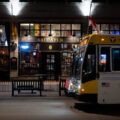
point(14, 32)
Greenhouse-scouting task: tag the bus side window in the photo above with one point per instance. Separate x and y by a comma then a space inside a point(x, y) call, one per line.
point(104, 63)
point(116, 59)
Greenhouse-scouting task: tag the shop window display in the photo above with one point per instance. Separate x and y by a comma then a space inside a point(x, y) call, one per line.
point(29, 58)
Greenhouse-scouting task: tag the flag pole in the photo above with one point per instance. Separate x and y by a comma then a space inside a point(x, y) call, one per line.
point(89, 17)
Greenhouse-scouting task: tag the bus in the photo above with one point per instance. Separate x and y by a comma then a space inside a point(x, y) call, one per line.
point(96, 69)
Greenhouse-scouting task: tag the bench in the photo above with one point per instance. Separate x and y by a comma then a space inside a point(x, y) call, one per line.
point(26, 85)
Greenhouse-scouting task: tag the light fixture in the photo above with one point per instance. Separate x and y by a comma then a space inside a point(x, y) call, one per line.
point(14, 7)
point(50, 34)
point(1, 30)
point(86, 7)
point(50, 47)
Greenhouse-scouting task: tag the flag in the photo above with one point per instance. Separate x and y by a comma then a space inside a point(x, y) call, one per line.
point(14, 32)
point(105, 84)
point(93, 24)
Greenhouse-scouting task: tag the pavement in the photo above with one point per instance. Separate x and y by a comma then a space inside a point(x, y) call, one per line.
point(52, 107)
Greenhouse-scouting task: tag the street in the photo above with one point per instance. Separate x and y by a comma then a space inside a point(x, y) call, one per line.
point(54, 108)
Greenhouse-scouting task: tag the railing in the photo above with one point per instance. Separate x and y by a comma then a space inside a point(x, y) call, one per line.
point(62, 81)
point(5, 86)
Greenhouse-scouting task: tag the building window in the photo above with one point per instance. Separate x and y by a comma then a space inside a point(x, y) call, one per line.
point(45, 30)
point(113, 29)
point(29, 58)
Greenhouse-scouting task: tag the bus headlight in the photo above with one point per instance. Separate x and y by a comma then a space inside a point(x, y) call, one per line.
point(79, 86)
point(82, 90)
point(71, 86)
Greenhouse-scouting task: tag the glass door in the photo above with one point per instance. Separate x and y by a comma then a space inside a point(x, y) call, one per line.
point(51, 65)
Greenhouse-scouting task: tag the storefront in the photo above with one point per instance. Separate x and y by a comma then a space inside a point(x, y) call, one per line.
point(4, 53)
point(47, 48)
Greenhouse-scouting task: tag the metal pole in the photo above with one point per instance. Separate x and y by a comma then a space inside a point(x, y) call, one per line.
point(89, 16)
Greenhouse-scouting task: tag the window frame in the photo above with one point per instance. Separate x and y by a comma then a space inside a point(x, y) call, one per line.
point(111, 57)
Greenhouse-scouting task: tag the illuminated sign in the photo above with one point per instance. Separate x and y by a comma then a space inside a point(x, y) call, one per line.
point(24, 46)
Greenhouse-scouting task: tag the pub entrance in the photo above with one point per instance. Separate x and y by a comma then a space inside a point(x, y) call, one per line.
point(51, 67)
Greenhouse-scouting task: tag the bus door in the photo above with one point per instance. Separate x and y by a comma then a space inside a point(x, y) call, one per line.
point(109, 69)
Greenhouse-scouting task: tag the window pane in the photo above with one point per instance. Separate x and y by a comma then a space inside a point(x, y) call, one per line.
point(45, 33)
point(29, 59)
point(106, 32)
point(89, 64)
point(104, 26)
point(115, 32)
point(101, 32)
point(65, 27)
point(76, 26)
point(66, 33)
point(31, 26)
point(55, 26)
point(105, 59)
point(24, 26)
point(98, 27)
point(23, 33)
point(116, 59)
point(55, 33)
point(114, 27)
point(76, 33)
point(45, 26)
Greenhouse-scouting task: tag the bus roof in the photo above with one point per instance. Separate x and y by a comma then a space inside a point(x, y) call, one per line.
point(100, 39)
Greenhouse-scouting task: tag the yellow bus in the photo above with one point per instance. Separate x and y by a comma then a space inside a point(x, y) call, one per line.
point(97, 69)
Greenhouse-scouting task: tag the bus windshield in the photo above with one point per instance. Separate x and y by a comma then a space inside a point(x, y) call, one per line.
point(89, 65)
point(78, 58)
